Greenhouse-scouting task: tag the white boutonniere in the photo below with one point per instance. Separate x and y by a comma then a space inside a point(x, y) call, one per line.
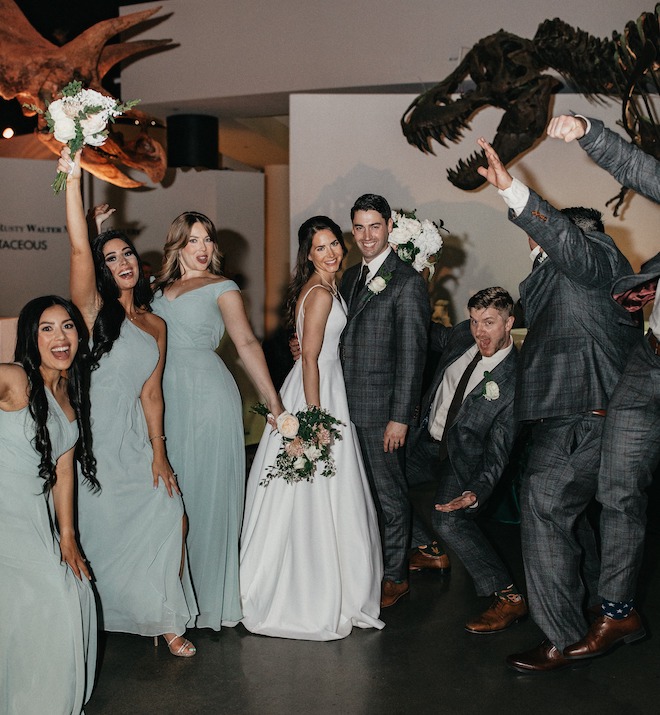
point(491, 389)
point(379, 283)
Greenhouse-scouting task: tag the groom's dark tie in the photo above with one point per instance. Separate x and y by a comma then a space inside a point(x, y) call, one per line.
point(456, 402)
point(362, 280)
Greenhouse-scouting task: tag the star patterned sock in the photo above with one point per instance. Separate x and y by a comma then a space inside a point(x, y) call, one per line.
point(617, 609)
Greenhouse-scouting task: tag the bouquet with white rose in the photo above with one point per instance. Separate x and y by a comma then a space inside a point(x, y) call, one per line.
point(81, 117)
point(416, 242)
point(307, 438)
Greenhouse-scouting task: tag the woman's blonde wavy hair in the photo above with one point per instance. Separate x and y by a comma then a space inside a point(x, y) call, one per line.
point(177, 238)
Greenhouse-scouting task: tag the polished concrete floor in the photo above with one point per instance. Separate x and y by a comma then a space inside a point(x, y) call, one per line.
point(422, 662)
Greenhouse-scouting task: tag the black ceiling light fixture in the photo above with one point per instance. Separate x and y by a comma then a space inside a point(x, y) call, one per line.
point(192, 141)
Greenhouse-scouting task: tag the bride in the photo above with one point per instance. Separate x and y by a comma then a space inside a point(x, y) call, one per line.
point(311, 562)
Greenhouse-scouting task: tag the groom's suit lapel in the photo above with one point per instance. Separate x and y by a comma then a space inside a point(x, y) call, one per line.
point(361, 300)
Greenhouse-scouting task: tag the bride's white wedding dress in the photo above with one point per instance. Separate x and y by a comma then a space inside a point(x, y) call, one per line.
point(311, 562)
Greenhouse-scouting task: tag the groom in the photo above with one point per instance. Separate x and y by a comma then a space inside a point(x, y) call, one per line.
point(383, 349)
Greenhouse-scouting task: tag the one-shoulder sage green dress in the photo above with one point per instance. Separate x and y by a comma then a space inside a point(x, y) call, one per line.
point(130, 532)
point(206, 446)
point(47, 615)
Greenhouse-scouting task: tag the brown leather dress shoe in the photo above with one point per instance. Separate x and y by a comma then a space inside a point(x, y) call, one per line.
point(501, 614)
point(606, 633)
point(421, 562)
point(392, 591)
point(545, 658)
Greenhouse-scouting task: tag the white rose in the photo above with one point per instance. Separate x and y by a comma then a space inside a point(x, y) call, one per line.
point(312, 453)
point(300, 464)
point(399, 235)
point(377, 284)
point(64, 129)
point(287, 425)
point(56, 110)
point(491, 390)
point(93, 124)
point(96, 139)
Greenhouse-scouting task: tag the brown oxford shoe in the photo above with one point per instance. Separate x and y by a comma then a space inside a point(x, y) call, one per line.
point(420, 561)
point(501, 614)
point(545, 658)
point(606, 633)
point(392, 591)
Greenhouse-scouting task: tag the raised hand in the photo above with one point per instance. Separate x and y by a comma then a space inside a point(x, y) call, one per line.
point(567, 127)
point(99, 214)
point(496, 173)
point(69, 166)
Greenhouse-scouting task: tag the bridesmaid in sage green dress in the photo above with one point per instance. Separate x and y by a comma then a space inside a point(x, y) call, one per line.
point(47, 610)
point(132, 531)
point(203, 416)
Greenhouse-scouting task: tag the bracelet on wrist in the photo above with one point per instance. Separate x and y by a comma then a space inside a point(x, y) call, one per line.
point(158, 436)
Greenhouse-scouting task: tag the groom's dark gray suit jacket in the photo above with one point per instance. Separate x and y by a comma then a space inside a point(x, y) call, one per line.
point(480, 440)
point(383, 346)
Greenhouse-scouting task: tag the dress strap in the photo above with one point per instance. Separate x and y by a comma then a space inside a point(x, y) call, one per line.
point(301, 312)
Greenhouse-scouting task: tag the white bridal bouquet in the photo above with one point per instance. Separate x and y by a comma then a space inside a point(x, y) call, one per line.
point(81, 117)
point(416, 242)
point(306, 440)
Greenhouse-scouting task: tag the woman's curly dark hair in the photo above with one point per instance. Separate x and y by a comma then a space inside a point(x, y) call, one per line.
point(304, 267)
point(28, 355)
point(112, 314)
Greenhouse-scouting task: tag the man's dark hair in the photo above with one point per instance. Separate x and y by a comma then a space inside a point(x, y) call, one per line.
point(587, 220)
point(372, 202)
point(494, 297)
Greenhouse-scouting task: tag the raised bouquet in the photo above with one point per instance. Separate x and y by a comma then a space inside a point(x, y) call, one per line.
point(307, 438)
point(81, 117)
point(416, 242)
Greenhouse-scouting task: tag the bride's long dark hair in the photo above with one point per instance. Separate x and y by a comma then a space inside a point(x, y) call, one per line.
point(304, 267)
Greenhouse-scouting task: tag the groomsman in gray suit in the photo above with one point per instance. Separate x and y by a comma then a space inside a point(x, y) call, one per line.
point(458, 455)
point(631, 437)
point(572, 357)
point(383, 349)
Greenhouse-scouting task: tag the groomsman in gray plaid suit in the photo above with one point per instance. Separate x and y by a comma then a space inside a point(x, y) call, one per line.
point(631, 437)
point(459, 454)
point(572, 357)
point(383, 350)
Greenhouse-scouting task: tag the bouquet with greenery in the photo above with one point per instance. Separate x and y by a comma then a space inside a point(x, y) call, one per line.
point(416, 242)
point(307, 438)
point(80, 117)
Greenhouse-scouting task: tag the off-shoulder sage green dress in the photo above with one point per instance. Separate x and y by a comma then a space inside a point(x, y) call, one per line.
point(130, 532)
point(206, 446)
point(47, 615)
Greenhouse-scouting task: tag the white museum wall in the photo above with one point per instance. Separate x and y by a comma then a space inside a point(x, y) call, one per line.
point(31, 214)
point(231, 49)
point(342, 146)
point(34, 247)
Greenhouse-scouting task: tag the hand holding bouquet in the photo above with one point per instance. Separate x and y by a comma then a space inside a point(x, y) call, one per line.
point(81, 117)
point(307, 438)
